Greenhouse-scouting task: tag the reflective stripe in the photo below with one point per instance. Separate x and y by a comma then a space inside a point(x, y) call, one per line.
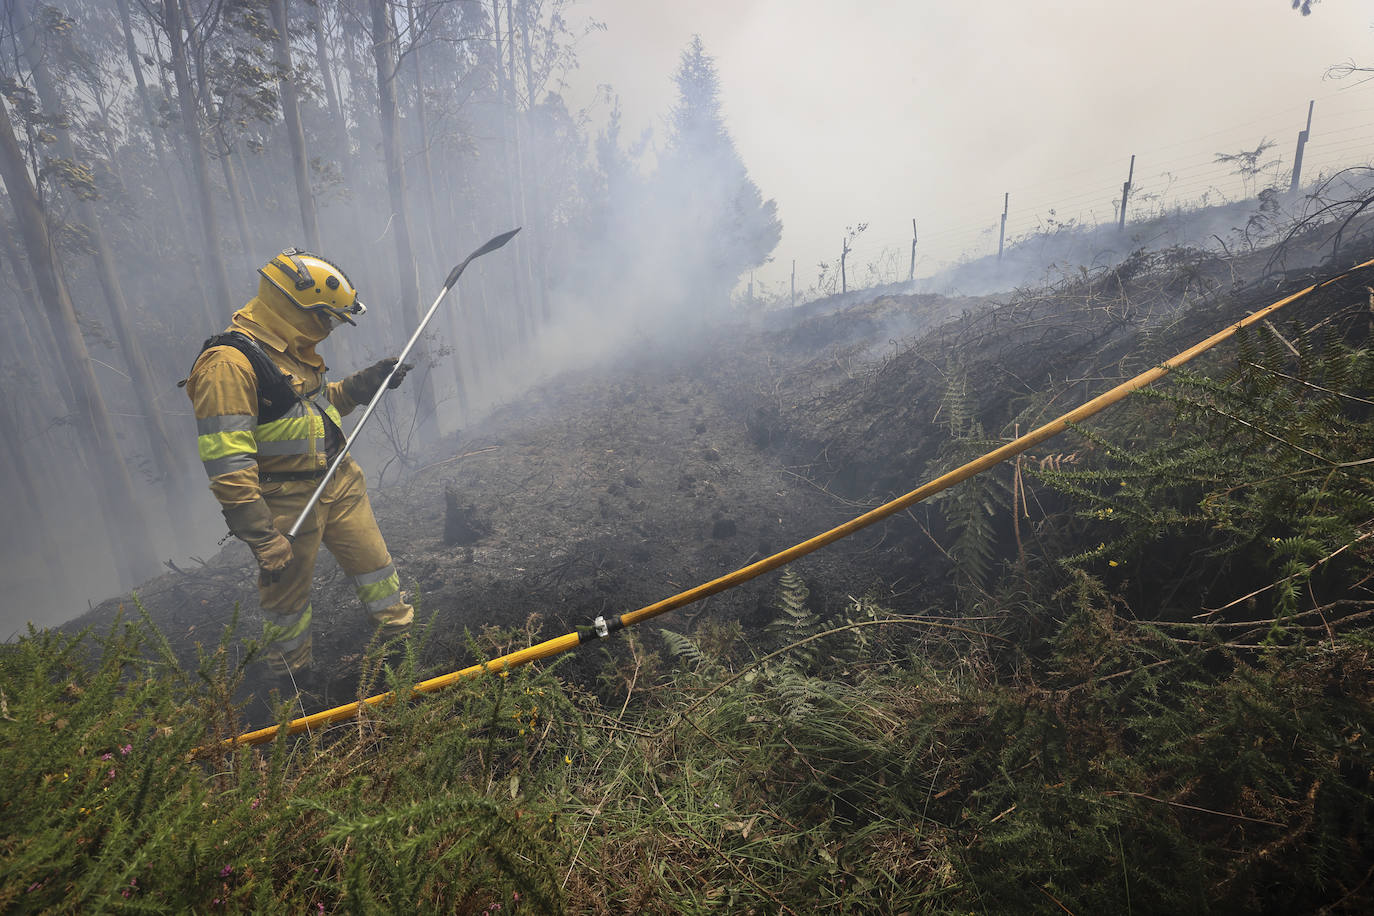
point(392, 596)
point(228, 464)
point(293, 442)
point(288, 427)
point(289, 633)
point(369, 578)
point(287, 447)
point(234, 442)
point(376, 593)
point(225, 423)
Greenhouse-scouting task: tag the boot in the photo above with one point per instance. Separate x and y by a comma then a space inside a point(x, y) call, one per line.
point(304, 682)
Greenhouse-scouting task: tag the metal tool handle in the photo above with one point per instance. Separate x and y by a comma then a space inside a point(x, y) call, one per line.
point(452, 279)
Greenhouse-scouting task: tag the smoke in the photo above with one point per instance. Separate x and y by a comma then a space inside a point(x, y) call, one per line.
point(1044, 258)
point(620, 244)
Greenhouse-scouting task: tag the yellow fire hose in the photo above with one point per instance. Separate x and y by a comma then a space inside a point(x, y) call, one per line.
point(602, 627)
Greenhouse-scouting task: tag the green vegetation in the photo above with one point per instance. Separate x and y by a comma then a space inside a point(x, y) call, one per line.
point(1159, 702)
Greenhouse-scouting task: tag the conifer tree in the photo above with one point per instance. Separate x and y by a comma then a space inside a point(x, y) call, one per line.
point(724, 226)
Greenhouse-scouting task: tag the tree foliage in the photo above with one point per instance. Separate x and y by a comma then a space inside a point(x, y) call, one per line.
point(722, 226)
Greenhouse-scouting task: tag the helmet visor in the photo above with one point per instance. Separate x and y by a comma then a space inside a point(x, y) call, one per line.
point(342, 313)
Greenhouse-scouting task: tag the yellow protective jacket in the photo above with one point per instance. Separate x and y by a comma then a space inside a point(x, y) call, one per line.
point(234, 446)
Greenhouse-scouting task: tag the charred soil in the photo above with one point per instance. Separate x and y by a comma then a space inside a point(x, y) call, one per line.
point(604, 490)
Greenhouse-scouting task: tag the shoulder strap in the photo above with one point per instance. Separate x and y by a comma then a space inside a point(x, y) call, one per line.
point(275, 392)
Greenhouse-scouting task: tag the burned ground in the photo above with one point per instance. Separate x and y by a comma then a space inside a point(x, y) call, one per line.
point(605, 490)
point(596, 493)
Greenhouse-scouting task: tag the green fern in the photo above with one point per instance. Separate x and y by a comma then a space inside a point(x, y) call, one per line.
point(795, 620)
point(969, 509)
point(684, 647)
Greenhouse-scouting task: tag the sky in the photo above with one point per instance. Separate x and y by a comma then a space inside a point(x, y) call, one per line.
point(880, 112)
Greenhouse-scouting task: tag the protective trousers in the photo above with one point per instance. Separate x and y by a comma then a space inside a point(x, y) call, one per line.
point(342, 520)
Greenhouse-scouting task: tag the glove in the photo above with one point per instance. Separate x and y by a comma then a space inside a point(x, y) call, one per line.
point(252, 524)
point(273, 557)
point(362, 385)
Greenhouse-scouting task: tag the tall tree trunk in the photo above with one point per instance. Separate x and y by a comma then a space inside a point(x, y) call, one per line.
point(223, 148)
point(125, 524)
point(520, 185)
point(384, 44)
point(436, 250)
point(29, 484)
point(178, 148)
point(443, 255)
point(331, 86)
point(172, 473)
point(334, 99)
point(291, 114)
point(195, 145)
point(369, 218)
point(30, 350)
point(507, 145)
point(45, 353)
point(131, 51)
point(231, 189)
point(536, 252)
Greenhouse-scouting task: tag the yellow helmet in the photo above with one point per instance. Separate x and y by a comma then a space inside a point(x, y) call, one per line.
point(313, 284)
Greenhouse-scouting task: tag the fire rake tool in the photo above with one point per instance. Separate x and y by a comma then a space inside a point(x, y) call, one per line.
point(453, 276)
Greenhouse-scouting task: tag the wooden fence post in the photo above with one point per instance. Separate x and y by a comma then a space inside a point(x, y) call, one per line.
point(1125, 192)
point(1002, 237)
point(1302, 141)
point(911, 272)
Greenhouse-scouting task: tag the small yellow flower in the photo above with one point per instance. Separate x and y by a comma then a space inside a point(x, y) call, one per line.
point(567, 759)
point(1113, 563)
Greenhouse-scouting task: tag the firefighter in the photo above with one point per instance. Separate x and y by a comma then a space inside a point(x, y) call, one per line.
point(269, 424)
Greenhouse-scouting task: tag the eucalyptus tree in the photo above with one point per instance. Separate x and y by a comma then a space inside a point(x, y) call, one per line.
point(24, 378)
point(291, 115)
point(385, 45)
point(163, 184)
point(170, 22)
point(129, 535)
point(540, 51)
point(42, 41)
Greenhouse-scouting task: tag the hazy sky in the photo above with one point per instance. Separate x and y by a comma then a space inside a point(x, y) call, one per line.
point(883, 111)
